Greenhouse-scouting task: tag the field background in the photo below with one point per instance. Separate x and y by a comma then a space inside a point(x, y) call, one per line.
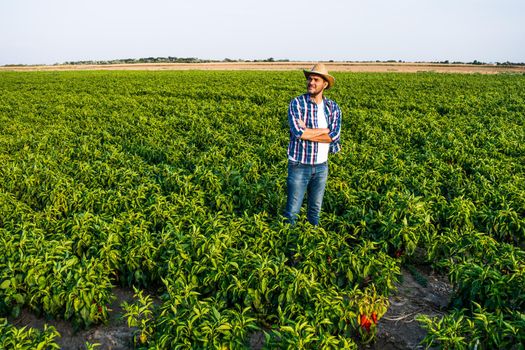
point(173, 182)
point(332, 66)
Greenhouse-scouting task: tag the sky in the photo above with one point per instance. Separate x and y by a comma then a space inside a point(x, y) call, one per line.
point(57, 31)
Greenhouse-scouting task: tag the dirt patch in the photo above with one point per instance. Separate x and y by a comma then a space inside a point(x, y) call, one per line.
point(398, 328)
point(332, 66)
point(115, 335)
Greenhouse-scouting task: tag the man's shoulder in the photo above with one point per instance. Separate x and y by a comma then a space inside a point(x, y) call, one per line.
point(305, 98)
point(330, 102)
point(300, 98)
point(333, 107)
point(300, 102)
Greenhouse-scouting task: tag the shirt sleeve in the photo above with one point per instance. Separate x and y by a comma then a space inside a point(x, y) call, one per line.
point(335, 125)
point(294, 115)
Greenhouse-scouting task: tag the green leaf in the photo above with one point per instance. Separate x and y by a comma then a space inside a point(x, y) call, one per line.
point(19, 298)
point(15, 311)
point(224, 327)
point(216, 313)
point(5, 284)
point(264, 284)
point(287, 329)
point(84, 313)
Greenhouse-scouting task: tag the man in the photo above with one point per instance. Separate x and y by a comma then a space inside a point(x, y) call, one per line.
point(315, 125)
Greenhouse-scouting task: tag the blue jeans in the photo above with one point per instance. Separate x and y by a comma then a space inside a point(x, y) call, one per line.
point(310, 179)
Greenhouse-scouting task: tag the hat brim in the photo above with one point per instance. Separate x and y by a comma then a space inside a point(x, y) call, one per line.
point(329, 79)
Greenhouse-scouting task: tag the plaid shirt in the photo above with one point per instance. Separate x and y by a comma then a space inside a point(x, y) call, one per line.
point(303, 108)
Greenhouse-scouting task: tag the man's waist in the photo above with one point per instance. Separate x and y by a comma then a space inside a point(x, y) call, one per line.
point(297, 162)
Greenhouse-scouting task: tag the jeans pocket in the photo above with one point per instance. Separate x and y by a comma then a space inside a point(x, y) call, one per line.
point(293, 163)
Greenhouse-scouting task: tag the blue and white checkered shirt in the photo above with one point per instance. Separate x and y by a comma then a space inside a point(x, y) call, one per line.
point(305, 109)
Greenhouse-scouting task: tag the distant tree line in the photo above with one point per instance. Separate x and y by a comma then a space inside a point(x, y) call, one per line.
point(476, 62)
point(171, 59)
point(168, 59)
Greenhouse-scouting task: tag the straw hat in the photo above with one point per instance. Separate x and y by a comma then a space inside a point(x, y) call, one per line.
point(321, 70)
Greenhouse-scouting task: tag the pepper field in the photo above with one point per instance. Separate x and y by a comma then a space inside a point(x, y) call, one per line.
point(174, 183)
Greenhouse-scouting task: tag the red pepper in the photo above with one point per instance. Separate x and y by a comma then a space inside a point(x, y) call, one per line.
point(365, 323)
point(363, 320)
point(374, 317)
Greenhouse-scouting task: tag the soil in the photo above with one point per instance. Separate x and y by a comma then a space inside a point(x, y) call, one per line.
point(331, 66)
point(115, 335)
point(396, 330)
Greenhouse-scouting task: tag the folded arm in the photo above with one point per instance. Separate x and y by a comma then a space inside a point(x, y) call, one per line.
point(299, 130)
point(316, 135)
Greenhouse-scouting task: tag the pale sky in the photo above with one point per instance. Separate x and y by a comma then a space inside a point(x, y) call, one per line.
point(56, 31)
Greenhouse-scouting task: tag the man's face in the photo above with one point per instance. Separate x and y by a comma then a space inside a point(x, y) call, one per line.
point(315, 84)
